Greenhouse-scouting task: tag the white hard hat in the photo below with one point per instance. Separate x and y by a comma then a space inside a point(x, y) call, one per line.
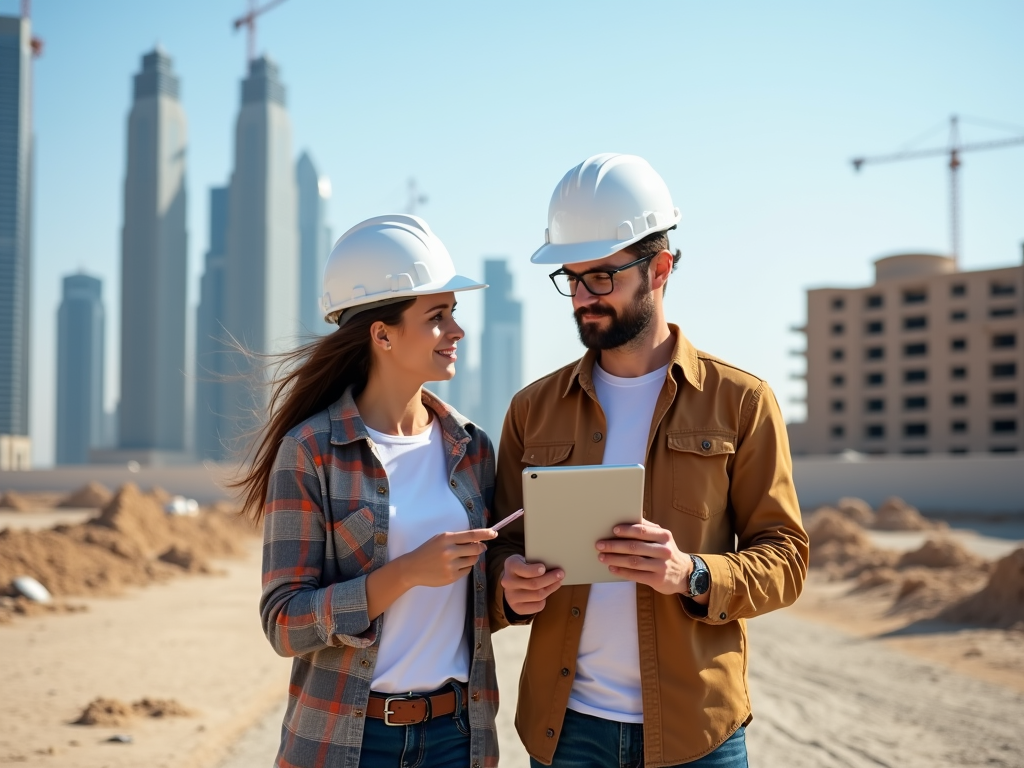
point(603, 205)
point(383, 260)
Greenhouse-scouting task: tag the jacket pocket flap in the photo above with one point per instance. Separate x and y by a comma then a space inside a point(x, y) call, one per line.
point(704, 443)
point(547, 454)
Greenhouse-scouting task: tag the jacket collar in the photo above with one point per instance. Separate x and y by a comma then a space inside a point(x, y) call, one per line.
point(347, 425)
point(684, 358)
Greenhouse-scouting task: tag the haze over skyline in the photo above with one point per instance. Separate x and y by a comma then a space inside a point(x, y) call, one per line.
point(750, 113)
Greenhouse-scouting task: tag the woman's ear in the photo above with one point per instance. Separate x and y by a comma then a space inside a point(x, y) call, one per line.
point(379, 336)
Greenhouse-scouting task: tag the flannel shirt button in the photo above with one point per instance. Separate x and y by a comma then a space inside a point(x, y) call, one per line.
point(469, 505)
point(565, 671)
point(598, 437)
point(706, 445)
point(575, 611)
point(358, 713)
point(550, 732)
point(479, 646)
point(382, 489)
point(475, 696)
point(721, 616)
point(364, 663)
point(453, 484)
point(380, 538)
point(479, 587)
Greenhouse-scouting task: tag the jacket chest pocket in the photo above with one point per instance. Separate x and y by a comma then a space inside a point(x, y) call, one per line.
point(700, 471)
point(547, 454)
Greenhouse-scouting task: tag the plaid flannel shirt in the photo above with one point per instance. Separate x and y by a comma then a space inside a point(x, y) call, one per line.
point(325, 529)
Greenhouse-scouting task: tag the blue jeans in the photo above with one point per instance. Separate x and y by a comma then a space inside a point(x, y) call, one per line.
point(593, 742)
point(437, 743)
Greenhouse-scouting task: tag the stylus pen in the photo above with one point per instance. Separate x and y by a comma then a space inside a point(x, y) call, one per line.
point(502, 523)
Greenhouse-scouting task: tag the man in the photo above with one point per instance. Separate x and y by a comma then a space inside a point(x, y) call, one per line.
point(650, 670)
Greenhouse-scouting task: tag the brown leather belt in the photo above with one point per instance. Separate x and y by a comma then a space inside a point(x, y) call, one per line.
point(413, 708)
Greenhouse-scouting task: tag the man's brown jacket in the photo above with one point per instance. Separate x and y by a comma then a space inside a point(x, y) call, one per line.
point(719, 476)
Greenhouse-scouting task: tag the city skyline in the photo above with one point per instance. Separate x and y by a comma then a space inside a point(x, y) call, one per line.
point(770, 204)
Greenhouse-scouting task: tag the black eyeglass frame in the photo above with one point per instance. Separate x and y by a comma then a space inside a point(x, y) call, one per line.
point(581, 278)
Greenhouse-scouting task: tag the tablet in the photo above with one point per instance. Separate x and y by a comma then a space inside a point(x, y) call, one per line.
point(570, 509)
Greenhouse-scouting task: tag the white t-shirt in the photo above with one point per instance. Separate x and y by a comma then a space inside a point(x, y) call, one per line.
point(422, 641)
point(607, 682)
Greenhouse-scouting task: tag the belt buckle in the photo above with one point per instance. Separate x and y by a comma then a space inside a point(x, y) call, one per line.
point(388, 712)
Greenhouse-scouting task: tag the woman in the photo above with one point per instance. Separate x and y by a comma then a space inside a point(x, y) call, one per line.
point(374, 495)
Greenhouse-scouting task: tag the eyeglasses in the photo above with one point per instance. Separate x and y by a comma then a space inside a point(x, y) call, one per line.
point(599, 282)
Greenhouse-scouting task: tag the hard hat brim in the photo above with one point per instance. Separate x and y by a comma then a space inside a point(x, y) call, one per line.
point(454, 284)
point(574, 253)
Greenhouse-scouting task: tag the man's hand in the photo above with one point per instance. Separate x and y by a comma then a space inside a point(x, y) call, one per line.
point(647, 554)
point(528, 585)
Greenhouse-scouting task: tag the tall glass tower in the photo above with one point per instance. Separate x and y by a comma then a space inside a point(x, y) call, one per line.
point(501, 358)
point(314, 243)
point(211, 346)
point(153, 265)
point(79, 369)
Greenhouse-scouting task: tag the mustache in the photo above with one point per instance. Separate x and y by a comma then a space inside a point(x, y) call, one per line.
point(596, 309)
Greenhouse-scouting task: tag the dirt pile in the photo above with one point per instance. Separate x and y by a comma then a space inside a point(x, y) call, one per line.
point(942, 553)
point(131, 543)
point(896, 515)
point(857, 510)
point(841, 547)
point(89, 496)
point(12, 500)
point(111, 712)
point(1000, 603)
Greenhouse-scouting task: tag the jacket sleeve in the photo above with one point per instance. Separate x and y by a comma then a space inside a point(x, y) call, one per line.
point(768, 569)
point(299, 615)
point(508, 497)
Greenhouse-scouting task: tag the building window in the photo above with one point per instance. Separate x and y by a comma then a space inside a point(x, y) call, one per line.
point(838, 406)
point(874, 327)
point(838, 329)
point(1004, 370)
point(914, 451)
point(958, 400)
point(915, 296)
point(958, 289)
point(915, 429)
point(958, 450)
point(838, 354)
point(875, 353)
point(916, 403)
point(874, 431)
point(838, 430)
point(1004, 341)
point(958, 345)
point(838, 380)
point(873, 301)
point(875, 379)
point(1002, 312)
point(1002, 289)
point(1004, 427)
point(838, 303)
point(915, 350)
point(958, 427)
point(1004, 398)
point(915, 375)
point(958, 372)
point(915, 323)
point(1003, 449)
point(875, 405)
point(958, 316)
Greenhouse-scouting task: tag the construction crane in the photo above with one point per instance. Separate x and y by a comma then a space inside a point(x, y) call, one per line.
point(36, 43)
point(954, 150)
point(249, 21)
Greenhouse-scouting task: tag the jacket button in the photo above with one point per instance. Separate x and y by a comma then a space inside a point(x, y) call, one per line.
point(721, 616)
point(575, 611)
point(382, 489)
point(380, 538)
point(453, 484)
point(565, 671)
point(706, 445)
point(550, 732)
point(469, 505)
point(598, 437)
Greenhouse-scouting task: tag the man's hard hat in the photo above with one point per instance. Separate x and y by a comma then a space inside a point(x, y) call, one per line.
point(383, 260)
point(604, 204)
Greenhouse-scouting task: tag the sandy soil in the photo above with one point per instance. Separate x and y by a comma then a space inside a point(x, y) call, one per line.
point(45, 518)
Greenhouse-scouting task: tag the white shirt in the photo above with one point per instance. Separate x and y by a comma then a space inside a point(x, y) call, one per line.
point(607, 682)
point(422, 641)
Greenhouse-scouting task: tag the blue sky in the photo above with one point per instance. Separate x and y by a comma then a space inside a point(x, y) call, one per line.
point(750, 111)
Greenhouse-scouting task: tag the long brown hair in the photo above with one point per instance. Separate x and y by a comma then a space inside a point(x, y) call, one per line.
point(309, 379)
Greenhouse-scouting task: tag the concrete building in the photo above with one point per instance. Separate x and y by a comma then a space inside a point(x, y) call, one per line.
point(501, 358)
point(153, 265)
point(261, 267)
point(314, 242)
point(926, 360)
point(15, 238)
point(80, 360)
point(211, 346)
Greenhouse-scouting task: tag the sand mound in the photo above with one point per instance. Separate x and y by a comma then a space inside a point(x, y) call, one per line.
point(111, 712)
point(1000, 603)
point(857, 510)
point(14, 500)
point(830, 525)
point(842, 547)
point(131, 543)
point(941, 553)
point(896, 515)
point(90, 495)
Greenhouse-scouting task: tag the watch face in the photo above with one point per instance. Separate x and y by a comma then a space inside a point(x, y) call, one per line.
point(701, 582)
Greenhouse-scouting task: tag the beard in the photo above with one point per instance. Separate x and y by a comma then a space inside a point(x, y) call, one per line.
point(622, 330)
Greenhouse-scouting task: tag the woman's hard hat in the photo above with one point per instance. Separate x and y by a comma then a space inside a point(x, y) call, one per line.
point(604, 204)
point(383, 260)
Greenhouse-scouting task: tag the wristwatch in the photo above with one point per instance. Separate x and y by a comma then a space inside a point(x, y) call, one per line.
point(700, 577)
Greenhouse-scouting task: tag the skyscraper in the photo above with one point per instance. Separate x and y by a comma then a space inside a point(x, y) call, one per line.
point(211, 347)
point(501, 359)
point(79, 369)
point(15, 237)
point(153, 265)
point(314, 242)
point(261, 268)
